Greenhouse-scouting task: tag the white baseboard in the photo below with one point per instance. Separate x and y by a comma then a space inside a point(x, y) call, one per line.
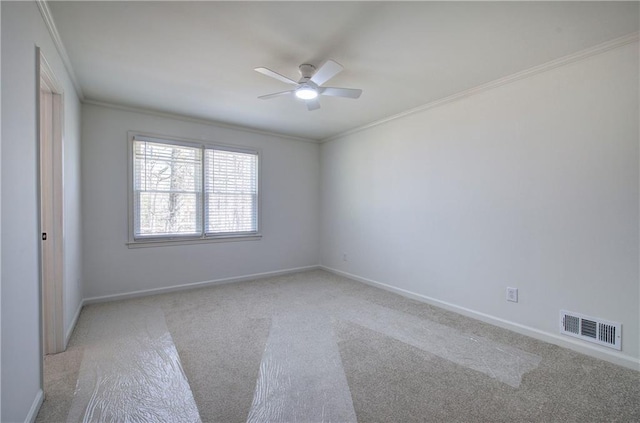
point(155, 291)
point(73, 324)
point(35, 407)
point(552, 338)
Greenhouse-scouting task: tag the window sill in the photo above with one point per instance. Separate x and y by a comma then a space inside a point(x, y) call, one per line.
point(191, 241)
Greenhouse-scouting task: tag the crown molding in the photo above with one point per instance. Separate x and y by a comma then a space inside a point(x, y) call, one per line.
point(43, 6)
point(563, 61)
point(209, 122)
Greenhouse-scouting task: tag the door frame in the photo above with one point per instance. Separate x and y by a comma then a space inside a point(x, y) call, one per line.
point(50, 114)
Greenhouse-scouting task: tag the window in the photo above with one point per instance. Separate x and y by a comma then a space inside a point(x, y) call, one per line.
point(187, 191)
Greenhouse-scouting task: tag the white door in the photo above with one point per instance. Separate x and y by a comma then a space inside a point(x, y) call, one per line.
point(51, 201)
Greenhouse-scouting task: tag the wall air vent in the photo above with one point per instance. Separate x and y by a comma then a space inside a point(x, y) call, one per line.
point(602, 332)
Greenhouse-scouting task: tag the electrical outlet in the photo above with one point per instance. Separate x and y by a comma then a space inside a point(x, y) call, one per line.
point(512, 294)
point(344, 257)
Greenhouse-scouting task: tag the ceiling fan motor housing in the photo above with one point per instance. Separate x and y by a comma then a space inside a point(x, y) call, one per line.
point(306, 71)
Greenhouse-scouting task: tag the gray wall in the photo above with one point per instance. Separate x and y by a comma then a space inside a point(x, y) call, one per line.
point(22, 30)
point(289, 190)
point(532, 185)
point(0, 214)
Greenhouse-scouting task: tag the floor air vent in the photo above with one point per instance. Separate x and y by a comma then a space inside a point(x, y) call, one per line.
point(591, 329)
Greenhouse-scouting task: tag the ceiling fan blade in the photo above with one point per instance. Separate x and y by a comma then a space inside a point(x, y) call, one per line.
point(268, 96)
point(327, 71)
point(276, 75)
point(313, 104)
point(341, 92)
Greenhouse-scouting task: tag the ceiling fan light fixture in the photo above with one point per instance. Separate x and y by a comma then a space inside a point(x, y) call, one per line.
point(306, 93)
point(310, 85)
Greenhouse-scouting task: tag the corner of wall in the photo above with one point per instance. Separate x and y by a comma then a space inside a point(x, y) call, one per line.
point(72, 326)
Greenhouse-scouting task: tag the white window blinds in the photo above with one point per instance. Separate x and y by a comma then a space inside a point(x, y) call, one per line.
point(231, 191)
point(168, 196)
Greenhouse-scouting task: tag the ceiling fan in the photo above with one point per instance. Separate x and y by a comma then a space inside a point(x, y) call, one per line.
point(309, 87)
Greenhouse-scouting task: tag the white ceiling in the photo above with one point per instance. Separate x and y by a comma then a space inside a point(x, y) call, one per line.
point(197, 58)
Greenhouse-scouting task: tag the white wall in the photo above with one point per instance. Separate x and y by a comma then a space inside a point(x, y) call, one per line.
point(289, 189)
point(73, 284)
point(0, 210)
point(532, 185)
point(22, 30)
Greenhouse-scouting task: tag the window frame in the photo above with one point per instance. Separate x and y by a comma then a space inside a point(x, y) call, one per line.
point(166, 240)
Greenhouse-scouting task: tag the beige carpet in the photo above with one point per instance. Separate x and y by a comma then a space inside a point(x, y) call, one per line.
point(403, 361)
